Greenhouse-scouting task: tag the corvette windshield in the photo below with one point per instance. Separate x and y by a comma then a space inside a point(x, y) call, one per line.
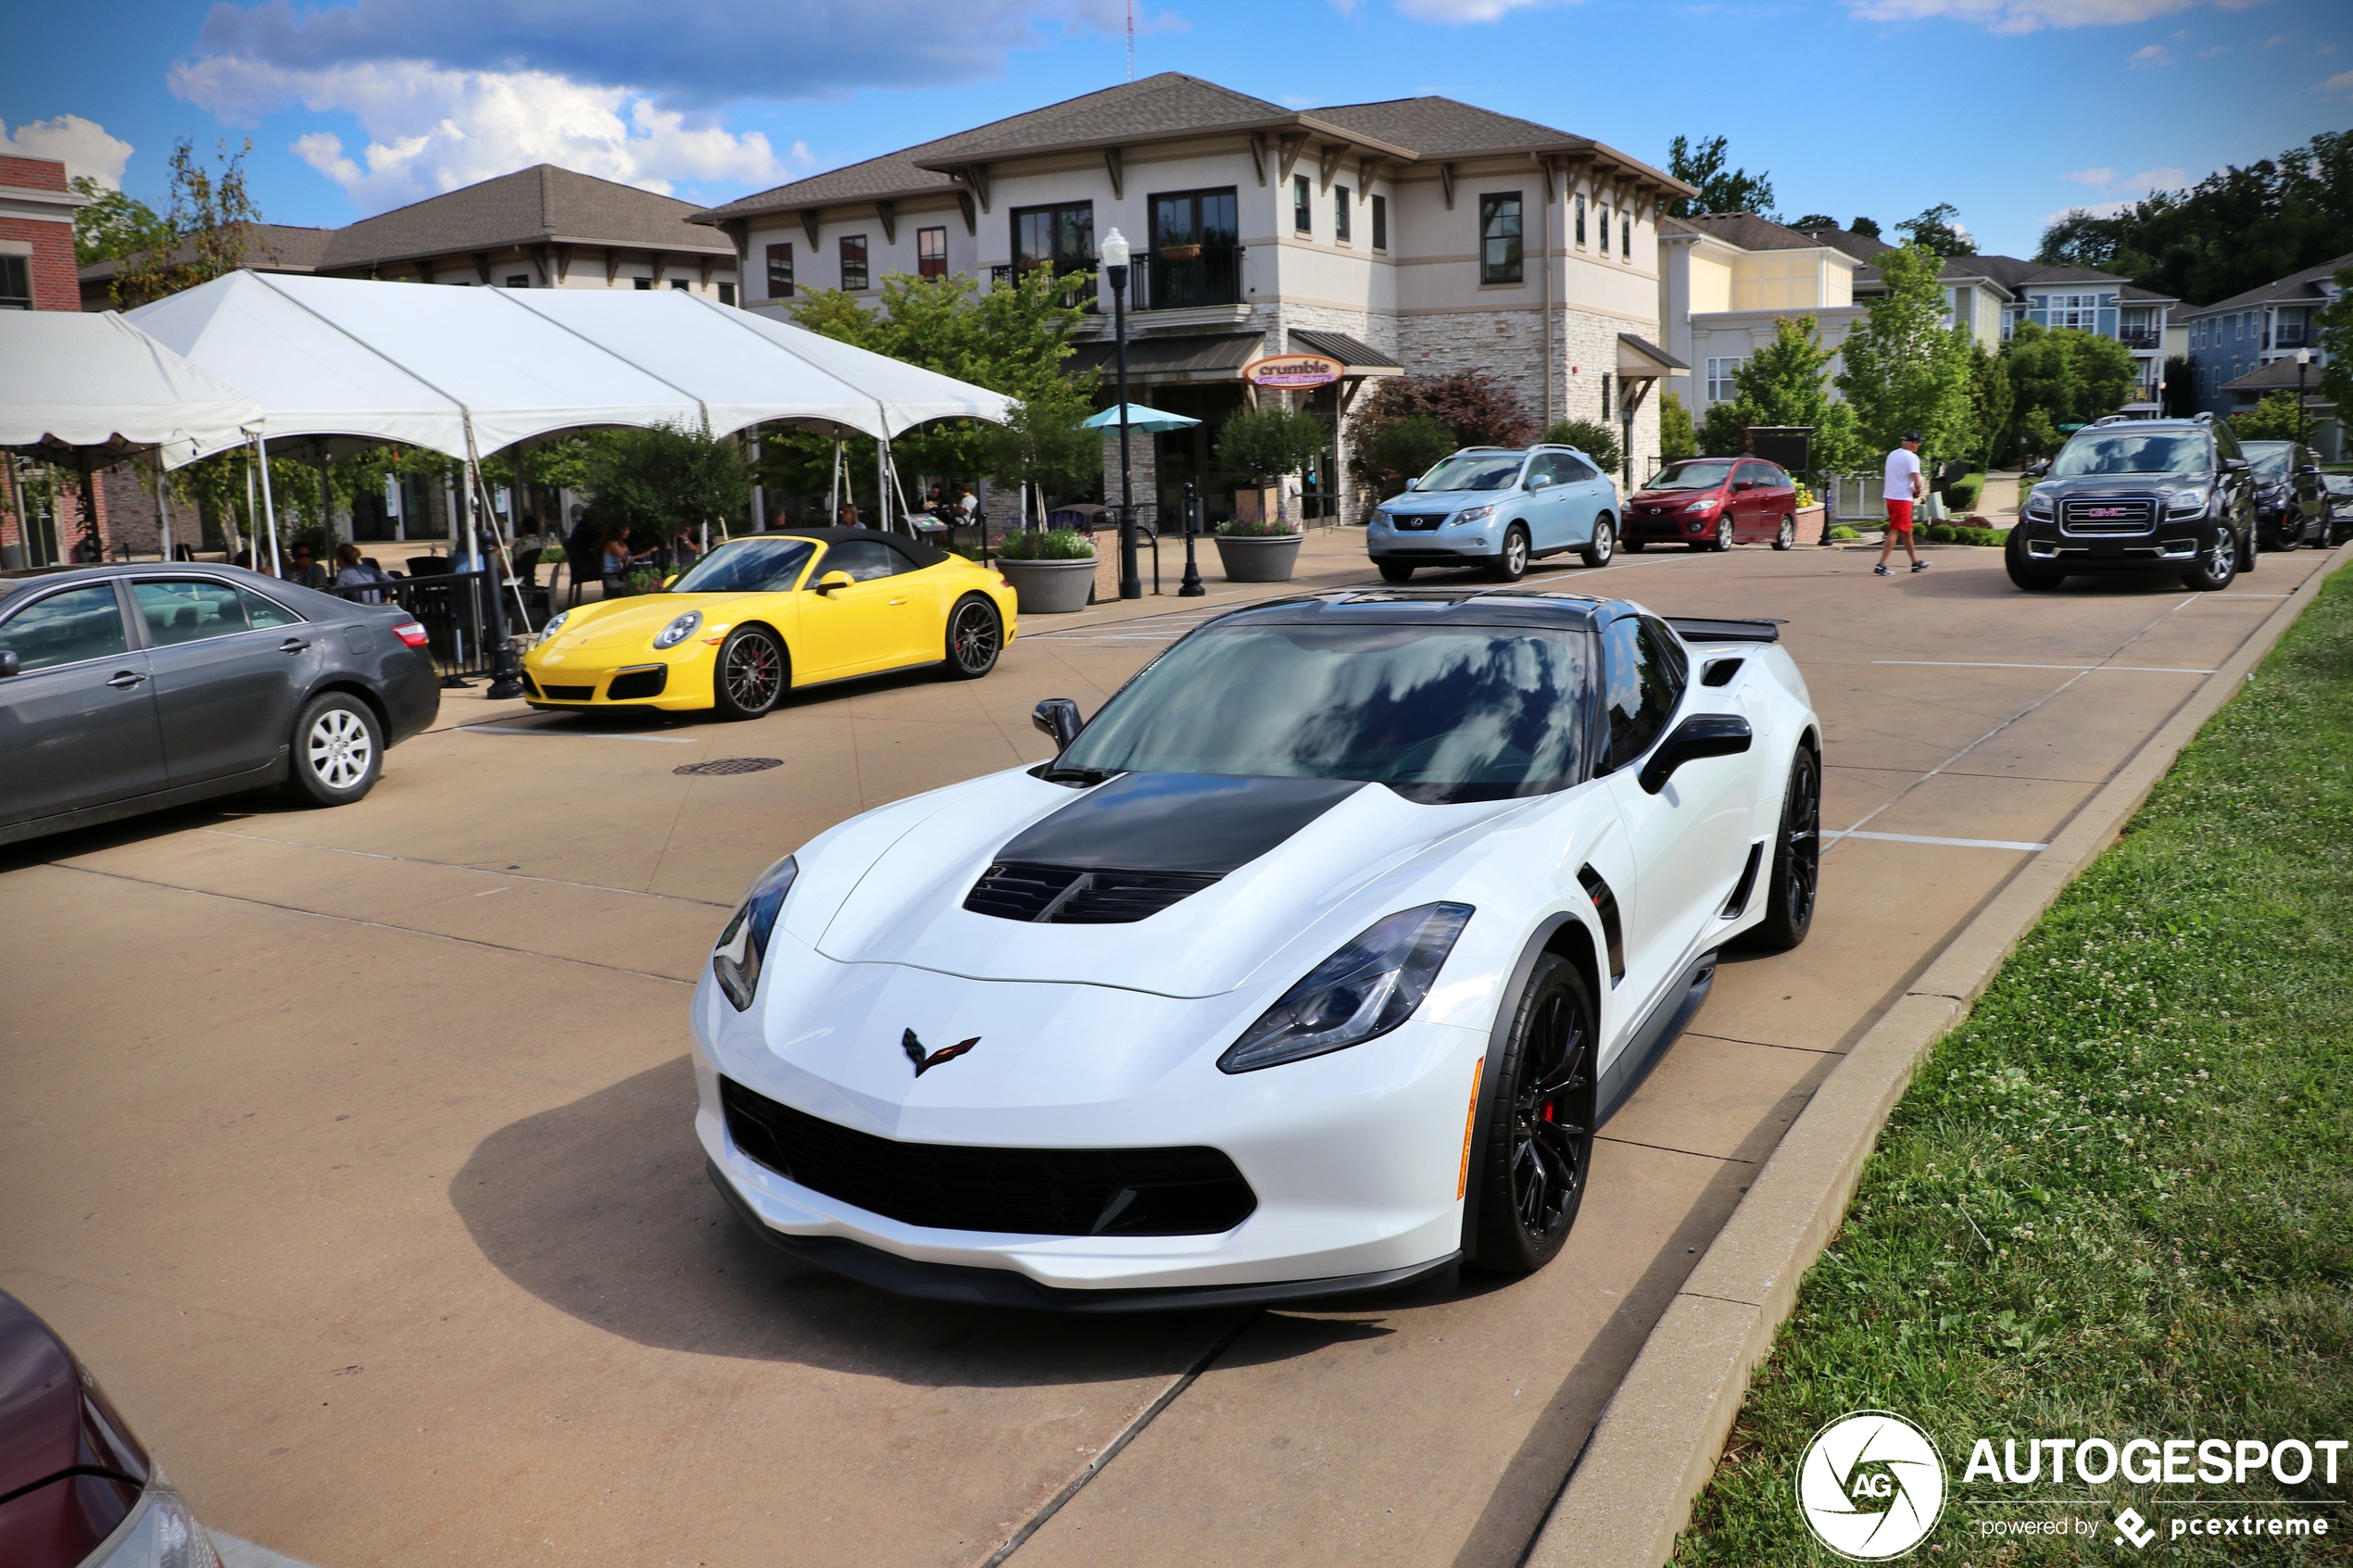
point(1690, 476)
point(1438, 714)
point(2163, 452)
point(747, 566)
point(1482, 471)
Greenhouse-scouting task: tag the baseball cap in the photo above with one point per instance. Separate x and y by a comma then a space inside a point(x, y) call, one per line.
point(1911, 435)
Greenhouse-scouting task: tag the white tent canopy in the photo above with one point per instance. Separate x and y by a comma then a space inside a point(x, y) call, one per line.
point(71, 380)
point(418, 364)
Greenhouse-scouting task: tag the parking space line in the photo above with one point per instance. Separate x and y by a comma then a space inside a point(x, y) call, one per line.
point(1948, 842)
point(491, 729)
point(1972, 664)
point(454, 866)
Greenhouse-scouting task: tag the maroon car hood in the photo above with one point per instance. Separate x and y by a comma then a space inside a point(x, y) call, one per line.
point(53, 1417)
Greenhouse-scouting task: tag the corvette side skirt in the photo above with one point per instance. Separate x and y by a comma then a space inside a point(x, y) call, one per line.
point(1003, 1287)
point(1667, 1021)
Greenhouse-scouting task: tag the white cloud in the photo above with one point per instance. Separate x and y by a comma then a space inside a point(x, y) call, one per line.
point(2092, 177)
point(1467, 11)
point(432, 129)
point(83, 145)
point(2097, 210)
point(2167, 179)
point(2239, 5)
point(2149, 56)
point(2019, 16)
point(2341, 82)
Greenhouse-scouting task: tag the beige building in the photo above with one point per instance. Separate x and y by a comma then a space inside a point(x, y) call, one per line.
point(1727, 279)
point(1420, 235)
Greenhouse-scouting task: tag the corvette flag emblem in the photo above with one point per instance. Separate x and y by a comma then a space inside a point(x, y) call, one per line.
point(914, 1049)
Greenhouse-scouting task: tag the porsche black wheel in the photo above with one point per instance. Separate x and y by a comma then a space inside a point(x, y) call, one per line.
point(1539, 1150)
point(1797, 858)
point(976, 636)
point(1396, 571)
point(751, 676)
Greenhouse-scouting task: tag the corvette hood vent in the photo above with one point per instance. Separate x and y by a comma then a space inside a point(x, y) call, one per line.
point(1069, 896)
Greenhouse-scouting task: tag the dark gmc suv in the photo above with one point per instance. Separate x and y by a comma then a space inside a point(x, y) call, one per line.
point(2130, 495)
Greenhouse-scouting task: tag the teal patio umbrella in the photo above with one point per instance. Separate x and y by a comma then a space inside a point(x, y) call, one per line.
point(1151, 421)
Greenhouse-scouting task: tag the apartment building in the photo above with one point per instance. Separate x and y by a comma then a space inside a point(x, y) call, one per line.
point(2245, 346)
point(1420, 235)
point(1727, 279)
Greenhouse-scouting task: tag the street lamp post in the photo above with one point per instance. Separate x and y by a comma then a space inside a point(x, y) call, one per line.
point(1114, 255)
point(1191, 588)
point(2303, 363)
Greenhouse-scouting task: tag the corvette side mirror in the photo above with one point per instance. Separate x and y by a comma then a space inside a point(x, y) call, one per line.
point(1702, 735)
point(9, 664)
point(833, 580)
point(1058, 716)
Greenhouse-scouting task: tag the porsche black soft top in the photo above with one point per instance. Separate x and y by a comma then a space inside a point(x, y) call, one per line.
point(915, 550)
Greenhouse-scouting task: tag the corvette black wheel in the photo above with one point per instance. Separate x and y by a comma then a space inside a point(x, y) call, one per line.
point(750, 674)
point(975, 638)
point(1539, 1124)
point(1797, 858)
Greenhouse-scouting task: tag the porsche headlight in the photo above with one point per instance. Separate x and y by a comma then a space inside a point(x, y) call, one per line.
point(679, 630)
point(1367, 989)
point(743, 944)
point(1471, 514)
point(555, 624)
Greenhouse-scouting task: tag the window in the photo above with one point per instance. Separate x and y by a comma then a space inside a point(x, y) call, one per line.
point(726, 293)
point(2077, 310)
point(188, 612)
point(1642, 680)
point(865, 559)
point(1604, 394)
point(682, 285)
point(780, 272)
point(66, 629)
point(1339, 213)
point(262, 614)
point(1625, 239)
point(1574, 469)
point(1060, 237)
point(1581, 223)
point(853, 262)
point(518, 280)
point(1380, 223)
point(931, 253)
point(1196, 254)
point(643, 282)
point(16, 283)
point(1499, 254)
point(1720, 388)
point(1604, 217)
point(1303, 217)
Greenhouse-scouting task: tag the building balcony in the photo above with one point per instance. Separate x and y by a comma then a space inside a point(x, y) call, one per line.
point(2141, 337)
point(1201, 280)
point(2290, 337)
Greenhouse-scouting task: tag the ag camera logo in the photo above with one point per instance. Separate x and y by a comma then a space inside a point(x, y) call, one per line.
point(1871, 1486)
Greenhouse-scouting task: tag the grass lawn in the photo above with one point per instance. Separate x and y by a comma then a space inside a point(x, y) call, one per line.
point(2115, 1202)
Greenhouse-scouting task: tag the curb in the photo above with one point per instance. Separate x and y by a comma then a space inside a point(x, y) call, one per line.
point(1630, 1492)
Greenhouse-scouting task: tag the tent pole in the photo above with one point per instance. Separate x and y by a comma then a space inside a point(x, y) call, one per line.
point(881, 484)
point(252, 529)
point(833, 496)
point(268, 504)
point(506, 675)
point(163, 509)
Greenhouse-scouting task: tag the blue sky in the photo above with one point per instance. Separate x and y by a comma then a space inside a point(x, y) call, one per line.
point(2012, 110)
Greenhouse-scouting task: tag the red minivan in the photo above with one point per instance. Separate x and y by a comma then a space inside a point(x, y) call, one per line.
point(1713, 504)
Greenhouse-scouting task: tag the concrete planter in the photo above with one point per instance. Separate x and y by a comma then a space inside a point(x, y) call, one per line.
point(1268, 560)
point(1049, 587)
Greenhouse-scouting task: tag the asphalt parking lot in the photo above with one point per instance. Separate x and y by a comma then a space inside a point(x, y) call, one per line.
point(351, 1148)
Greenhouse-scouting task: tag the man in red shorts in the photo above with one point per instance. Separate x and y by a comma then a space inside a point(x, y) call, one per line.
point(1904, 487)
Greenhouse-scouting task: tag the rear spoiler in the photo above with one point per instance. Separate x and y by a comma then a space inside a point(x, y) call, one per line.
point(1694, 629)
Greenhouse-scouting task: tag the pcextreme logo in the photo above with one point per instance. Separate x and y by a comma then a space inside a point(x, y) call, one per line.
point(1871, 1486)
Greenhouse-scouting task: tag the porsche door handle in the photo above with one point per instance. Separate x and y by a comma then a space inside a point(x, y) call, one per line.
point(899, 601)
point(123, 681)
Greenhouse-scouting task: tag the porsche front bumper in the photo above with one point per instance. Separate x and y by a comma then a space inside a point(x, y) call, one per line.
point(571, 678)
point(1354, 1161)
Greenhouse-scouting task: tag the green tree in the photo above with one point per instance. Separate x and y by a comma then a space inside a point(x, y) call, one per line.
point(1046, 443)
point(1597, 441)
point(1815, 220)
point(114, 225)
point(1480, 410)
point(667, 481)
point(1787, 382)
point(1905, 369)
point(1939, 229)
point(2070, 376)
point(206, 232)
point(1676, 436)
point(1991, 399)
point(1270, 443)
point(1721, 189)
point(1412, 446)
point(2336, 343)
point(2275, 419)
point(1866, 226)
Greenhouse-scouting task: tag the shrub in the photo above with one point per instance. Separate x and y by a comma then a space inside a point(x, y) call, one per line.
point(1962, 533)
point(1596, 441)
point(1805, 496)
point(1059, 543)
point(1258, 528)
point(1270, 443)
point(1413, 445)
point(1676, 436)
point(1843, 531)
point(1479, 409)
point(1962, 494)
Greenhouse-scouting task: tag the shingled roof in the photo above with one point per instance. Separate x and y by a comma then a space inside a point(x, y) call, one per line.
point(1862, 248)
point(541, 204)
point(1748, 230)
point(2297, 288)
point(270, 247)
point(1172, 104)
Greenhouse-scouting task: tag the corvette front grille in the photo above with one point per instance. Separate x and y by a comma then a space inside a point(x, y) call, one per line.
point(1069, 896)
point(1009, 1191)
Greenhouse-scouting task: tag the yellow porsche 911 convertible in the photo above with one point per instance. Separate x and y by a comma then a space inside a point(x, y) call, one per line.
point(760, 615)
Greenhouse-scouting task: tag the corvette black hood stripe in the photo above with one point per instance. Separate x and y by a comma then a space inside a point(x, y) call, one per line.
point(1195, 823)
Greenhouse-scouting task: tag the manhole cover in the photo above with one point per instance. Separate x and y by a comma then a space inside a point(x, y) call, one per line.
point(732, 765)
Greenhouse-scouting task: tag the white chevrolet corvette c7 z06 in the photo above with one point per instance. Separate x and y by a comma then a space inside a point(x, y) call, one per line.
point(1308, 967)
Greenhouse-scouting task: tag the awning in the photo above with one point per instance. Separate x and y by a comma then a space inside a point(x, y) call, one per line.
point(1359, 358)
point(1173, 358)
point(1640, 359)
point(98, 381)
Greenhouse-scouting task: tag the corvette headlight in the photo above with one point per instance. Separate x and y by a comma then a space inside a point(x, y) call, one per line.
point(1367, 989)
point(743, 944)
point(679, 630)
point(2187, 502)
point(1472, 514)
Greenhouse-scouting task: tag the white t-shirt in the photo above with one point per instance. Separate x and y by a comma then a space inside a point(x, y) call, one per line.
point(1902, 464)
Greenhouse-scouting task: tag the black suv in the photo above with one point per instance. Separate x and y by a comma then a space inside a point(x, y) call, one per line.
point(2291, 501)
point(2129, 494)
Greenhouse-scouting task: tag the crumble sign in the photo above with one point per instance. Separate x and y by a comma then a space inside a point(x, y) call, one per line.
point(1292, 371)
